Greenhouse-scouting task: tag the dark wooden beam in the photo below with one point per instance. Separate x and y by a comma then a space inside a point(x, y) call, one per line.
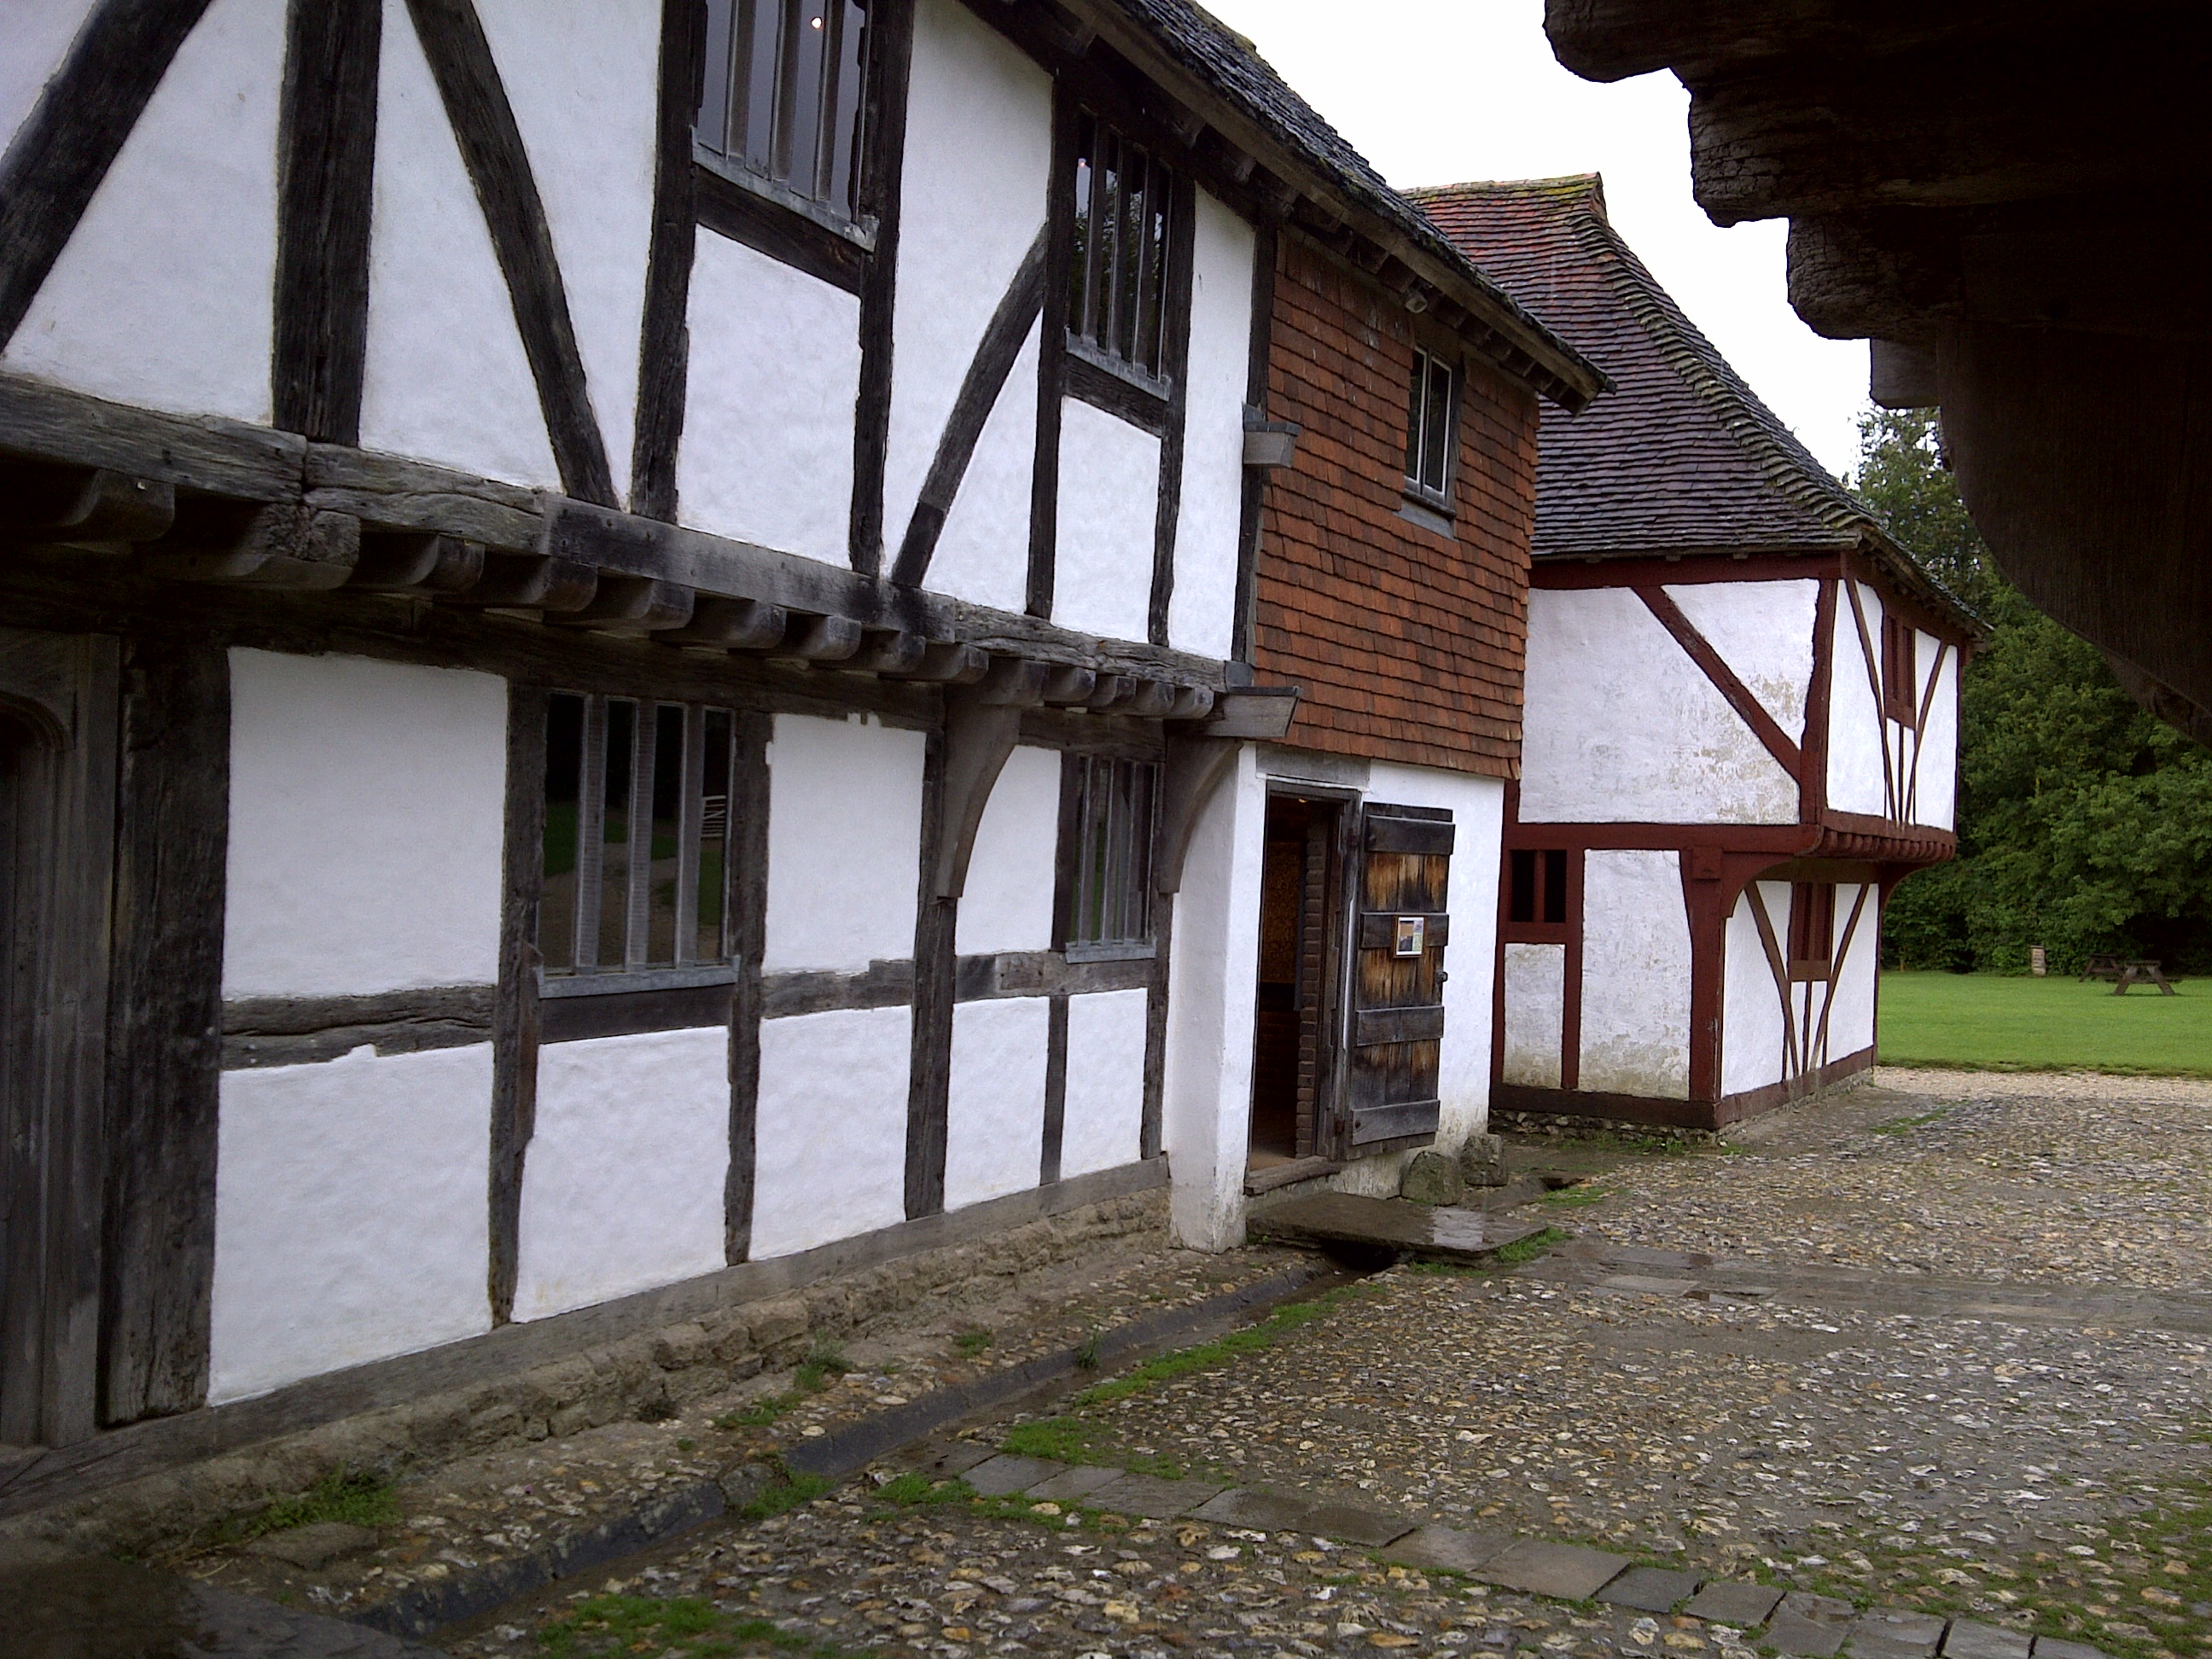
point(1613, 39)
point(663, 355)
point(1175, 367)
point(745, 893)
point(515, 1032)
point(890, 58)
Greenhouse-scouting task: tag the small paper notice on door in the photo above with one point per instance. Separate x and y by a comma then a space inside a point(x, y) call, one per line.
point(1412, 936)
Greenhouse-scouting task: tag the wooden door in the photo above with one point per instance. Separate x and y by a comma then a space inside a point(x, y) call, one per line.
point(1397, 1023)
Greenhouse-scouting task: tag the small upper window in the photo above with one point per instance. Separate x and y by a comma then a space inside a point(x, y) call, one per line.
point(1812, 928)
point(1900, 670)
point(637, 833)
point(1118, 274)
point(780, 96)
point(1110, 907)
point(1429, 425)
point(1537, 885)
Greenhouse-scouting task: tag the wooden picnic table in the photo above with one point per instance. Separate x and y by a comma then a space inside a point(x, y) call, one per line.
point(2104, 967)
point(2142, 973)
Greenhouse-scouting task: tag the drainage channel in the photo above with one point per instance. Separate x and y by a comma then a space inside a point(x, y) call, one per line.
point(477, 1597)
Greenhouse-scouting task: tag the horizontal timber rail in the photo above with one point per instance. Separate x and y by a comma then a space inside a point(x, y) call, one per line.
point(206, 500)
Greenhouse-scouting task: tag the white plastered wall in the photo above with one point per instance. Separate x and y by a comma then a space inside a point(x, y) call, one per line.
point(768, 404)
point(978, 166)
point(829, 1130)
point(844, 843)
point(1110, 483)
point(1102, 1126)
point(368, 803)
point(39, 38)
point(622, 1183)
point(1621, 726)
point(350, 1218)
point(994, 1114)
point(163, 296)
point(1635, 976)
point(1856, 733)
point(1851, 1014)
point(1751, 1008)
point(1535, 1014)
point(583, 77)
point(1764, 632)
point(982, 554)
point(1936, 790)
point(1202, 610)
point(446, 377)
point(1007, 903)
point(1213, 991)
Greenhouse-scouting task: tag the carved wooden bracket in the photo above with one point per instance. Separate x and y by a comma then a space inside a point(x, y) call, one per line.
point(1195, 766)
point(978, 737)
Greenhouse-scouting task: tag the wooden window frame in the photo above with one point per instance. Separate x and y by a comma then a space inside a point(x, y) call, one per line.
point(563, 973)
point(1088, 796)
point(1551, 891)
point(850, 219)
point(1900, 669)
point(1420, 405)
point(1812, 930)
point(1097, 305)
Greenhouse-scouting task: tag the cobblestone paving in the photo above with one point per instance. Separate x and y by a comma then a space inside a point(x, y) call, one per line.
point(2045, 1471)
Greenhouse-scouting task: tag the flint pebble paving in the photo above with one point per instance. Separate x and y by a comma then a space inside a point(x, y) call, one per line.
point(1759, 1402)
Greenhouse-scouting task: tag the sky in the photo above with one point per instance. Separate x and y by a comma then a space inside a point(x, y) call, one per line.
point(1437, 92)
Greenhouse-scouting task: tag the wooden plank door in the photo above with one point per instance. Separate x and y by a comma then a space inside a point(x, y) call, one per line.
point(1397, 1023)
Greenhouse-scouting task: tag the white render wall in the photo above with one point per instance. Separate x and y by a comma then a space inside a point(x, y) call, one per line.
point(830, 1132)
point(775, 375)
point(350, 1222)
point(983, 551)
point(1935, 794)
point(446, 377)
point(368, 804)
point(1212, 995)
point(995, 1118)
point(844, 843)
point(1635, 976)
point(1856, 733)
point(1851, 1020)
point(583, 77)
point(1103, 1126)
point(623, 1181)
point(1535, 1014)
point(1751, 1007)
point(163, 296)
point(1109, 491)
point(1008, 904)
point(1621, 726)
point(978, 166)
point(1202, 610)
point(1764, 633)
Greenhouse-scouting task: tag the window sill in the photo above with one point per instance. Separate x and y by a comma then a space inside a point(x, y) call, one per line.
point(1157, 385)
point(1113, 950)
point(861, 233)
point(1414, 510)
point(606, 982)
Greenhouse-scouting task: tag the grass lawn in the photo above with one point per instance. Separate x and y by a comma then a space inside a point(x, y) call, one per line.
point(1991, 1023)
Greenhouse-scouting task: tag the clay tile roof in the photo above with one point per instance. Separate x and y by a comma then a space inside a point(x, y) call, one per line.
point(1682, 456)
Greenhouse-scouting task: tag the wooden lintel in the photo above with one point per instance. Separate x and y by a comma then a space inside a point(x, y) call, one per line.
point(891, 652)
point(732, 625)
point(1070, 686)
point(405, 561)
point(79, 504)
point(632, 604)
point(1015, 681)
point(979, 735)
point(822, 639)
point(951, 664)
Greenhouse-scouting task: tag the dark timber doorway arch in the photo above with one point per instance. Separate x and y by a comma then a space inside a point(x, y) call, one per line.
point(57, 725)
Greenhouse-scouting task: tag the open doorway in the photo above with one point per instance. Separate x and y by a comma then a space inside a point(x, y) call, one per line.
point(1300, 957)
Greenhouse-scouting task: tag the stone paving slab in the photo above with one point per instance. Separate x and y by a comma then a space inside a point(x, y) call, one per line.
point(1266, 1511)
point(1071, 1484)
point(1732, 1602)
point(1893, 1633)
point(1438, 1234)
point(1567, 1571)
point(1968, 1640)
point(1649, 1590)
point(2049, 1647)
point(1810, 1626)
point(1152, 1499)
point(1005, 1474)
point(1356, 1525)
point(1642, 1284)
point(1448, 1548)
point(940, 1458)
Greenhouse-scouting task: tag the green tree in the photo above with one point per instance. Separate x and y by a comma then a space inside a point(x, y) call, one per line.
point(2085, 824)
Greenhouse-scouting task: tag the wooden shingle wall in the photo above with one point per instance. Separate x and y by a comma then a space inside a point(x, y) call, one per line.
point(1409, 645)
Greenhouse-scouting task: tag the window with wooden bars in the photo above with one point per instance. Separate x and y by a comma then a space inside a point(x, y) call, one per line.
point(1117, 277)
point(781, 97)
point(1811, 929)
point(1536, 884)
point(1432, 426)
point(1900, 670)
point(637, 836)
point(1110, 818)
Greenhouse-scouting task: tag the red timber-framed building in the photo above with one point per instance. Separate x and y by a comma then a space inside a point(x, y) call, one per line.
point(1740, 721)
